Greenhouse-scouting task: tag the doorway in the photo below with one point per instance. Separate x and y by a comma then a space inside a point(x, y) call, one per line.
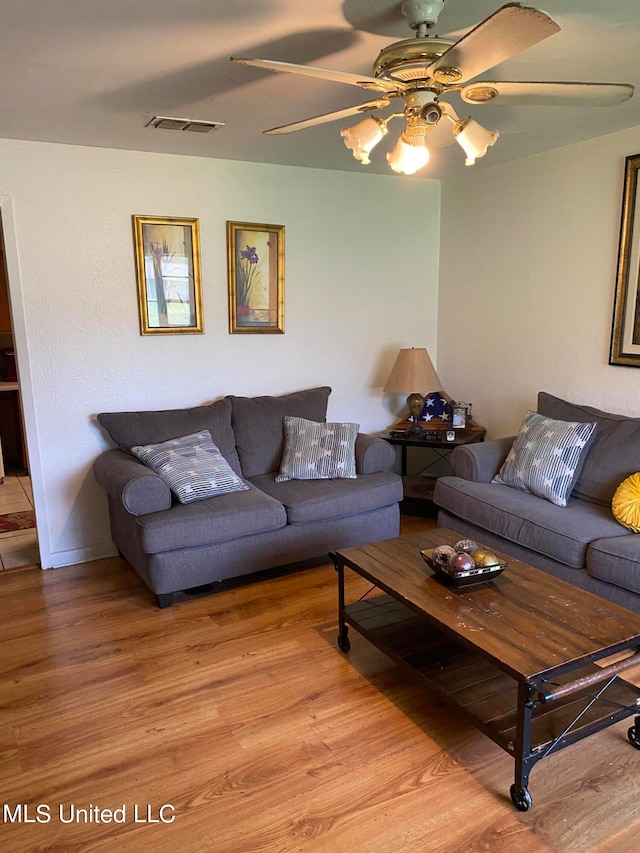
point(18, 533)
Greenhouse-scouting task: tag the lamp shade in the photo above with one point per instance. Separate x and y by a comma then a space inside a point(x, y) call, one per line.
point(407, 158)
point(412, 372)
point(474, 139)
point(364, 136)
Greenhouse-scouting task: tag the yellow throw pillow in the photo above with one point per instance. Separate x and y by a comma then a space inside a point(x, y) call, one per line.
point(626, 503)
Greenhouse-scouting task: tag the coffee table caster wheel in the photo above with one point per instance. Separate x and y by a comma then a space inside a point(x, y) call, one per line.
point(521, 799)
point(634, 740)
point(344, 643)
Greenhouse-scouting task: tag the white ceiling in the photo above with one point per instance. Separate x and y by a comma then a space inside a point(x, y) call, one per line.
point(94, 72)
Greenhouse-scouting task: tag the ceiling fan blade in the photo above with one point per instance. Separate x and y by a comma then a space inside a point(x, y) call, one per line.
point(361, 80)
point(547, 94)
point(367, 107)
point(507, 32)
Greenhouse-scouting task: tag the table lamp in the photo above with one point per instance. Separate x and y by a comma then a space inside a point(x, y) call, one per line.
point(412, 373)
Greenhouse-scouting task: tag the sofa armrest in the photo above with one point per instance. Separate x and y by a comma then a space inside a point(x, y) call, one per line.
point(482, 461)
point(136, 487)
point(373, 454)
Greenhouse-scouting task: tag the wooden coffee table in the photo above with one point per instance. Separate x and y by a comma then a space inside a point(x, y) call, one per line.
point(517, 654)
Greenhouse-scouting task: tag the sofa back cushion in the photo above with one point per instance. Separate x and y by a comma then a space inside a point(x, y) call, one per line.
point(129, 429)
point(258, 425)
point(614, 453)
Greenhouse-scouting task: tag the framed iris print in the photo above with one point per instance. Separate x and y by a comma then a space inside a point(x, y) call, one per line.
point(168, 271)
point(255, 262)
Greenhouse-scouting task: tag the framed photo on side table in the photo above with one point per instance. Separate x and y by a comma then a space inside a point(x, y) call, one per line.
point(255, 261)
point(459, 415)
point(168, 272)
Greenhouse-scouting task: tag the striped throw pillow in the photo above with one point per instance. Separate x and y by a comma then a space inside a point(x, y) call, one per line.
point(317, 451)
point(545, 457)
point(192, 467)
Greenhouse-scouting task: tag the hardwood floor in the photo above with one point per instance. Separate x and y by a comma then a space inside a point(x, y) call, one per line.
point(238, 711)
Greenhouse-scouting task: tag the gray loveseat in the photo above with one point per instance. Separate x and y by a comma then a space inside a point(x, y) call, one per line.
point(176, 546)
point(581, 543)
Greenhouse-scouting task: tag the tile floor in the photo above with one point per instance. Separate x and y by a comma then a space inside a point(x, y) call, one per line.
point(19, 548)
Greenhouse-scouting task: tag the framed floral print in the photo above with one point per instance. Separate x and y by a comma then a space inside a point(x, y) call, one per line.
point(168, 271)
point(255, 262)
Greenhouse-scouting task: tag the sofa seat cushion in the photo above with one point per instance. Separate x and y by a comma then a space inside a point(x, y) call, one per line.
point(563, 533)
point(209, 521)
point(128, 429)
point(322, 500)
point(616, 560)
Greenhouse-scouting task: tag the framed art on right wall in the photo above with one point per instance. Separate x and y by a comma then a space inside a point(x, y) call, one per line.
point(625, 333)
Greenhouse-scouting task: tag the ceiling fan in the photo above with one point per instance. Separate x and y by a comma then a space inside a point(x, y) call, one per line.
point(423, 69)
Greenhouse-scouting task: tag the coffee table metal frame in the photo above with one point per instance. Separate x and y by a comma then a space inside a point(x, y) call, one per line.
point(533, 716)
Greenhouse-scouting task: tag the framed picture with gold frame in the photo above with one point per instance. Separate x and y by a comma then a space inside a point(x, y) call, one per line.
point(255, 265)
point(168, 272)
point(625, 332)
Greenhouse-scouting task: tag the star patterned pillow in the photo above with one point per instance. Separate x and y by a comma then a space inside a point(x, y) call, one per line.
point(317, 451)
point(192, 466)
point(546, 457)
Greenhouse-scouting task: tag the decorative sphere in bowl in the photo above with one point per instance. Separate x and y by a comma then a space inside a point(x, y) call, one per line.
point(442, 554)
point(484, 558)
point(461, 562)
point(467, 545)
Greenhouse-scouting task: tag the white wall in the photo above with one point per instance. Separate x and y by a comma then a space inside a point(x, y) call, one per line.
point(527, 279)
point(353, 298)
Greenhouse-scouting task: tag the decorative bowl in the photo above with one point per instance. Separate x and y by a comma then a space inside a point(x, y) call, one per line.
point(479, 574)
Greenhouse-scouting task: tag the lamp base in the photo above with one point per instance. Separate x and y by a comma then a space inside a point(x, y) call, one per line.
point(415, 403)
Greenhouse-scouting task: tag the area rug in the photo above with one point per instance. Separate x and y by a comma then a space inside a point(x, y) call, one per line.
point(11, 521)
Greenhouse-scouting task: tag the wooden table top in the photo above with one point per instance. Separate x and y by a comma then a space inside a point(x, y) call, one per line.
point(526, 621)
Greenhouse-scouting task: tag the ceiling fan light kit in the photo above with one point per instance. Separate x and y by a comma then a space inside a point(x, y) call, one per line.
point(423, 69)
point(409, 156)
point(473, 138)
point(364, 136)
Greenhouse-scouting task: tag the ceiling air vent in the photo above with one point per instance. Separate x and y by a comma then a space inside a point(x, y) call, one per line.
point(193, 125)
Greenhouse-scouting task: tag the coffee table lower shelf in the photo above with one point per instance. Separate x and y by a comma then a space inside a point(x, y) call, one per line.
point(526, 728)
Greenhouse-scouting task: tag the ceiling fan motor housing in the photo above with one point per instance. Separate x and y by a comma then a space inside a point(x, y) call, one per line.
point(406, 60)
point(422, 13)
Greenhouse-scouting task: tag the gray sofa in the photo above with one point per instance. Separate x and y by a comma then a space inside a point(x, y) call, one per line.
point(581, 543)
point(176, 546)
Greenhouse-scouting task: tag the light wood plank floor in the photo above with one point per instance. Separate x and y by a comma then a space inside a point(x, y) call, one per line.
point(238, 710)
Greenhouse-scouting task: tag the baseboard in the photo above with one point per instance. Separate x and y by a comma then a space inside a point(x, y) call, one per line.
point(82, 555)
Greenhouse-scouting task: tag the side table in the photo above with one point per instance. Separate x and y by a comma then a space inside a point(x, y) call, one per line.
point(419, 485)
